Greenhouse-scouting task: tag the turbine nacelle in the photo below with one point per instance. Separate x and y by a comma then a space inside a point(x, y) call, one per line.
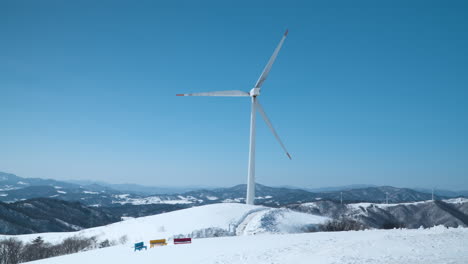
point(254, 92)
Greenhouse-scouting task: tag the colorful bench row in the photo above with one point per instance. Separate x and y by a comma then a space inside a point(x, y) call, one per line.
point(162, 242)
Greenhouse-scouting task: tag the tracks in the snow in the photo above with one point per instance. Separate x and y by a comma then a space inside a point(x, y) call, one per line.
point(245, 220)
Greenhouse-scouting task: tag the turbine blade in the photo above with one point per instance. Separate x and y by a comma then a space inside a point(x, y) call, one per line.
point(268, 122)
point(270, 62)
point(218, 93)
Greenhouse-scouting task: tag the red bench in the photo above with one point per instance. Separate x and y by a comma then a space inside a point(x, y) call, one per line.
point(182, 241)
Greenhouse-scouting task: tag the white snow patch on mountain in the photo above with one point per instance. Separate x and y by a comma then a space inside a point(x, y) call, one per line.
point(74, 227)
point(155, 200)
point(9, 188)
point(122, 196)
point(361, 206)
point(90, 192)
point(236, 200)
point(28, 205)
point(457, 200)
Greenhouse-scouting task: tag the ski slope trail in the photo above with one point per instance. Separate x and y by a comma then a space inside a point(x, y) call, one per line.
point(437, 245)
point(240, 229)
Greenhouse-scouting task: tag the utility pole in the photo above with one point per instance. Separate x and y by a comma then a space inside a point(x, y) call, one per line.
point(341, 198)
point(432, 193)
point(386, 196)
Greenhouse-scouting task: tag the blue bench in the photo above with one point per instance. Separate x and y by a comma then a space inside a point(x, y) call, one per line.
point(140, 246)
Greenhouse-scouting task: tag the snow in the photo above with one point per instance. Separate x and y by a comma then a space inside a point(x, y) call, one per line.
point(90, 192)
point(154, 200)
point(277, 221)
point(361, 208)
point(310, 205)
point(61, 192)
point(436, 246)
point(457, 201)
point(241, 218)
point(3, 194)
point(263, 235)
point(261, 197)
point(211, 198)
point(236, 200)
point(75, 227)
point(122, 196)
point(28, 205)
point(357, 206)
point(9, 188)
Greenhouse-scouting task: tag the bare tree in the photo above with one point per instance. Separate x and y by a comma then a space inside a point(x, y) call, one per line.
point(76, 244)
point(37, 249)
point(10, 251)
point(343, 224)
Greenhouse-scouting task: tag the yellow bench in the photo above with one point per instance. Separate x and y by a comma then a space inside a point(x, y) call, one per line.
point(158, 242)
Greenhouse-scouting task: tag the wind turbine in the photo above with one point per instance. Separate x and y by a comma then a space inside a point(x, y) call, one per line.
point(256, 106)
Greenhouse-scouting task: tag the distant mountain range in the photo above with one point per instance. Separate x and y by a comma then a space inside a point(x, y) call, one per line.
point(14, 188)
point(50, 215)
point(141, 189)
point(339, 188)
point(30, 205)
point(10, 181)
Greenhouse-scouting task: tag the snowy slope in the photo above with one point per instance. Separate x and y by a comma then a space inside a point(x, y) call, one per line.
point(382, 205)
point(450, 212)
point(239, 219)
point(436, 246)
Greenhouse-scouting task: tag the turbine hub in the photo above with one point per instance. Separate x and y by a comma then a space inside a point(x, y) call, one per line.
point(254, 92)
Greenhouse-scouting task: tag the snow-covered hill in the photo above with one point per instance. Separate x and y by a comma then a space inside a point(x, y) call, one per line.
point(449, 212)
point(436, 246)
point(210, 220)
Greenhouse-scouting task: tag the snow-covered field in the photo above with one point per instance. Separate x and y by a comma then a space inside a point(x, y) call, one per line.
point(434, 246)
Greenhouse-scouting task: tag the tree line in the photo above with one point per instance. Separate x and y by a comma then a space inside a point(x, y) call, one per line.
point(13, 251)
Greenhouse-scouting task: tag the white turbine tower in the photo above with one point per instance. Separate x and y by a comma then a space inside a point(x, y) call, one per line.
point(254, 93)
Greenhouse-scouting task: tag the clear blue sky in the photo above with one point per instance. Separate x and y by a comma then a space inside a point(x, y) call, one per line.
point(368, 92)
